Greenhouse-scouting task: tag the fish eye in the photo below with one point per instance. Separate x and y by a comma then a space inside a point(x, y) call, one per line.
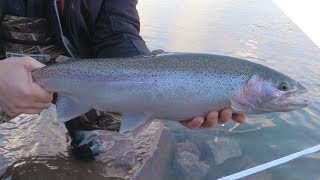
point(284, 86)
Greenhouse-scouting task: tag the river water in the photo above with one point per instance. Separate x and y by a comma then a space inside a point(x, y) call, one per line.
point(255, 30)
point(260, 32)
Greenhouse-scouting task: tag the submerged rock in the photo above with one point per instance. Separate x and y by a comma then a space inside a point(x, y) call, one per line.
point(188, 161)
point(224, 149)
point(155, 150)
point(189, 147)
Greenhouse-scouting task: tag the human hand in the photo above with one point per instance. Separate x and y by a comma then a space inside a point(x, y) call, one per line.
point(213, 118)
point(18, 93)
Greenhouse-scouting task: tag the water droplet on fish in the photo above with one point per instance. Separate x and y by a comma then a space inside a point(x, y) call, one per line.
point(222, 125)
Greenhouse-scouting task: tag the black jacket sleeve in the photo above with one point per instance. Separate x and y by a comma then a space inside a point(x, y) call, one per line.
point(104, 28)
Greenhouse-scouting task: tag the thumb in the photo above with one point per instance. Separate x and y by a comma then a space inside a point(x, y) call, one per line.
point(32, 64)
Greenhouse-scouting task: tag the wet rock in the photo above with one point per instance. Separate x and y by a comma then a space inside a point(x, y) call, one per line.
point(52, 168)
point(224, 149)
point(188, 161)
point(155, 150)
point(36, 147)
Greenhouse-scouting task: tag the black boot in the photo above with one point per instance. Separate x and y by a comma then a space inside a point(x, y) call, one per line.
point(85, 143)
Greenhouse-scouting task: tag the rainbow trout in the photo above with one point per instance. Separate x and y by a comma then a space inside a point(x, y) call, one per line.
point(170, 86)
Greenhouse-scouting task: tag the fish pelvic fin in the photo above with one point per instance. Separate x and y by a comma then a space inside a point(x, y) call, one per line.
point(134, 122)
point(69, 107)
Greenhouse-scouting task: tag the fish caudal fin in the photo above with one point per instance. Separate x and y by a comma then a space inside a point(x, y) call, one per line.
point(68, 108)
point(134, 122)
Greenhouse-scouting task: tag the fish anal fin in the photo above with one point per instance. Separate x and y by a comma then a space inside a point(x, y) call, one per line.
point(134, 122)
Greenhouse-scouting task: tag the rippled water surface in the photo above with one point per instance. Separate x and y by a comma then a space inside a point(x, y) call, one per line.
point(260, 32)
point(250, 29)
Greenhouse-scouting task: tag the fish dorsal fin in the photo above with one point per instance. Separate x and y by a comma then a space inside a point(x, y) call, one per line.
point(158, 51)
point(134, 122)
point(69, 107)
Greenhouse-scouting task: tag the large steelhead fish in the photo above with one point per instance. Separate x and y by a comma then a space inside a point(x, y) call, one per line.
point(172, 86)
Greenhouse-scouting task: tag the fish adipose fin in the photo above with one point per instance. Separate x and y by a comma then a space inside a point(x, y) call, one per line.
point(134, 122)
point(68, 108)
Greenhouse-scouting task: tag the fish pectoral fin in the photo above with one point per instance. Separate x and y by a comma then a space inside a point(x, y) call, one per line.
point(68, 108)
point(134, 122)
point(239, 107)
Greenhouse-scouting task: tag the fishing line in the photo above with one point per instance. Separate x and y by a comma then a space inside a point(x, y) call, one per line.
point(273, 163)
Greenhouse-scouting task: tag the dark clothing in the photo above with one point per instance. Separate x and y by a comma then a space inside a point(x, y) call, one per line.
point(94, 28)
point(110, 26)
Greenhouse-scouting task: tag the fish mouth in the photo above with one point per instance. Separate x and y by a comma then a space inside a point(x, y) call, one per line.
point(290, 101)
